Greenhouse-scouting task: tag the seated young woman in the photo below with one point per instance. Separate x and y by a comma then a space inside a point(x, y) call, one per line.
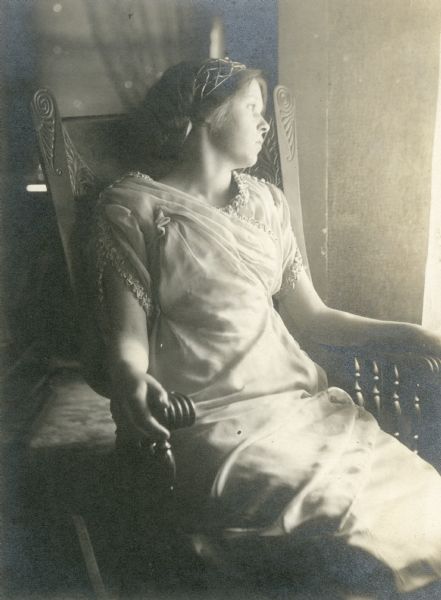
point(188, 267)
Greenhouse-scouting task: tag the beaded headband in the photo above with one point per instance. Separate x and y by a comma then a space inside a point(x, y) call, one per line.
point(213, 73)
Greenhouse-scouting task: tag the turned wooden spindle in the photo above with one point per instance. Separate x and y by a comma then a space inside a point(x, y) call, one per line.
point(416, 423)
point(163, 454)
point(396, 403)
point(376, 395)
point(358, 394)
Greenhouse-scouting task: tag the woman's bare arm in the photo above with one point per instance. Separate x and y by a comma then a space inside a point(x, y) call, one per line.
point(338, 328)
point(136, 392)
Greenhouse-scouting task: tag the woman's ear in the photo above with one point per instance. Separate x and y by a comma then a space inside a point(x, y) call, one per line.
point(206, 121)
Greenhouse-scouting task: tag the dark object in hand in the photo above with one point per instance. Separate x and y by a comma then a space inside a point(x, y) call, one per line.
point(179, 413)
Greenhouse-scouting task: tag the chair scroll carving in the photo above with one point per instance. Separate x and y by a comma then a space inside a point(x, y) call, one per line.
point(285, 121)
point(82, 178)
point(287, 118)
point(49, 127)
point(43, 110)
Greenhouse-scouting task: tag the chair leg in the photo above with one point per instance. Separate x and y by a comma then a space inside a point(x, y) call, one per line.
point(90, 561)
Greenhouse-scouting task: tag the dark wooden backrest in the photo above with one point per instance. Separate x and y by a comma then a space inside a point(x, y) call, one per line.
point(74, 179)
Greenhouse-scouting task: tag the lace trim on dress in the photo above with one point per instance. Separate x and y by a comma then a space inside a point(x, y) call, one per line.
point(139, 175)
point(107, 252)
point(291, 273)
point(253, 222)
point(242, 198)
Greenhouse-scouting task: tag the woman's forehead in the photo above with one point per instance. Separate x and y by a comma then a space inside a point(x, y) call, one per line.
point(251, 90)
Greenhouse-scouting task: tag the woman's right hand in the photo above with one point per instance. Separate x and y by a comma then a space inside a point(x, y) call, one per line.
point(140, 398)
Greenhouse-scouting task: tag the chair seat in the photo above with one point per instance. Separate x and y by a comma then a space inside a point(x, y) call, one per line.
point(74, 417)
point(71, 445)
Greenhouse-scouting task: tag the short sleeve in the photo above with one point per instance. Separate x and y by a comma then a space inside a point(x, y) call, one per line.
point(120, 243)
point(291, 257)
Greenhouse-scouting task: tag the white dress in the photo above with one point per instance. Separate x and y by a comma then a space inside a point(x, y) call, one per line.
point(274, 452)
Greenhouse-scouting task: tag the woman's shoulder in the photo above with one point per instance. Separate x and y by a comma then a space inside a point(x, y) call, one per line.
point(131, 181)
point(134, 191)
point(130, 203)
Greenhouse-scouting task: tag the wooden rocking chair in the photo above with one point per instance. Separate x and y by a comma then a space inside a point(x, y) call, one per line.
point(80, 155)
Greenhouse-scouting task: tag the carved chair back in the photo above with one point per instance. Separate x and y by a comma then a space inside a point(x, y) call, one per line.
point(79, 157)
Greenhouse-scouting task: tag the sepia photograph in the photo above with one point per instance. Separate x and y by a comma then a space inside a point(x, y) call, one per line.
point(220, 299)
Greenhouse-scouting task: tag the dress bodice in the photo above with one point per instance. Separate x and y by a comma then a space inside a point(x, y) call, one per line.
point(210, 274)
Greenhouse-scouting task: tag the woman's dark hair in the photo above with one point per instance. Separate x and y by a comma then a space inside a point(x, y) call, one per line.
point(170, 106)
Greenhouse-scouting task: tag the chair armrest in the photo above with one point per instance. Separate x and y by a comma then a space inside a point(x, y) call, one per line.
point(426, 370)
point(402, 390)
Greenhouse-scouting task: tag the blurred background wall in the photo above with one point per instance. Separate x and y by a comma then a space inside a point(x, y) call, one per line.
point(365, 76)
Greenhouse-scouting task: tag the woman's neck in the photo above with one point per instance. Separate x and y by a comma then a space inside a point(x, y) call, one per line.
point(203, 175)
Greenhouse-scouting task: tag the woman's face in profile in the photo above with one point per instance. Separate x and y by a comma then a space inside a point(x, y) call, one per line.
point(240, 136)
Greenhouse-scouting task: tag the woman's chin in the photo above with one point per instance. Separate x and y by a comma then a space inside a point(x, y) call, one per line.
point(249, 162)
